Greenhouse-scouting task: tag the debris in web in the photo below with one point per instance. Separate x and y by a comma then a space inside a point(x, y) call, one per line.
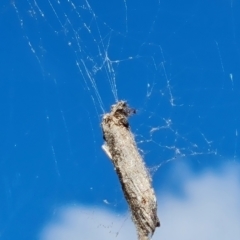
point(135, 180)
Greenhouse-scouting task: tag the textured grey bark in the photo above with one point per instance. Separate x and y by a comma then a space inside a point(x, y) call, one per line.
point(130, 168)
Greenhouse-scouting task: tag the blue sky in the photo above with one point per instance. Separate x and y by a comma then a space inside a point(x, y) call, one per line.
point(64, 63)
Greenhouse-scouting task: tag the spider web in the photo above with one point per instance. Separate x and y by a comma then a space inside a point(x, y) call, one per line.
point(87, 55)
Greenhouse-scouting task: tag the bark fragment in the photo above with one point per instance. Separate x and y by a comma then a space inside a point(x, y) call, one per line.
point(132, 173)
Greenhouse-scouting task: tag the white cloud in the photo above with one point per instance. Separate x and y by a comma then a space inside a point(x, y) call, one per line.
point(209, 210)
point(79, 223)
